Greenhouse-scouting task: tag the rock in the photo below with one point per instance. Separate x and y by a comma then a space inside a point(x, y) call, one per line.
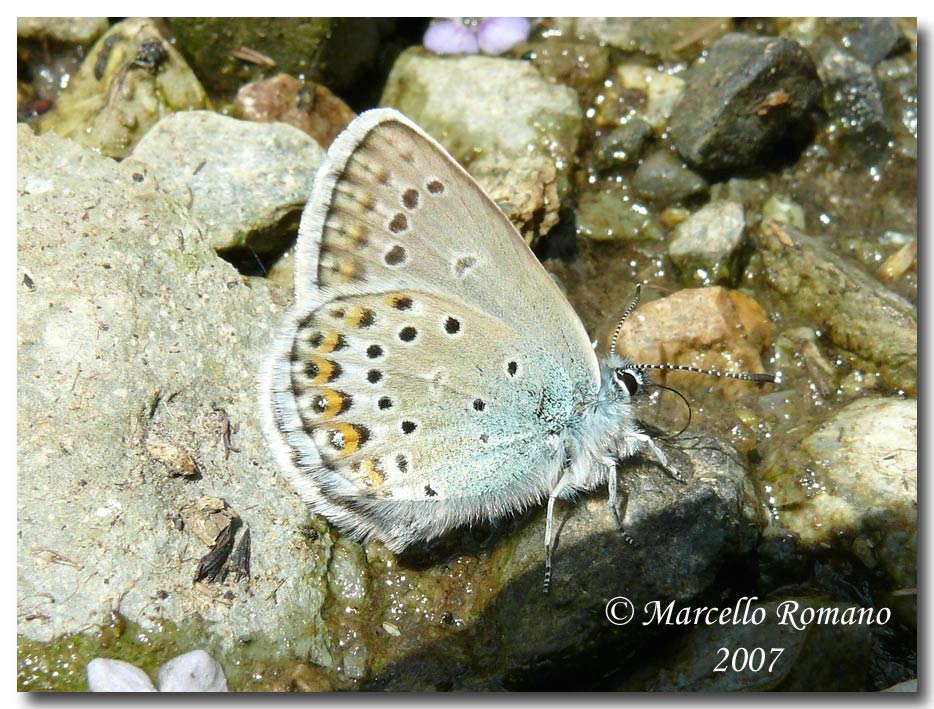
point(581, 66)
point(207, 518)
point(854, 100)
point(910, 685)
point(178, 460)
point(133, 324)
point(712, 328)
point(664, 180)
point(783, 210)
point(229, 52)
point(741, 100)
point(195, 671)
point(246, 183)
point(872, 39)
point(661, 92)
point(706, 247)
point(857, 312)
point(606, 211)
point(308, 106)
point(106, 675)
point(685, 533)
point(68, 30)
point(520, 147)
point(622, 145)
point(851, 485)
point(130, 79)
point(812, 657)
point(669, 38)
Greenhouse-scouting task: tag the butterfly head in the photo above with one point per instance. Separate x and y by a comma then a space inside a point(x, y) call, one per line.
point(623, 379)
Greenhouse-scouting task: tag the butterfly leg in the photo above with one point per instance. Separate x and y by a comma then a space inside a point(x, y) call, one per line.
point(613, 488)
point(644, 440)
point(549, 529)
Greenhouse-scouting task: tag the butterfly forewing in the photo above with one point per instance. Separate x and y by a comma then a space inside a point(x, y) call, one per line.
point(393, 210)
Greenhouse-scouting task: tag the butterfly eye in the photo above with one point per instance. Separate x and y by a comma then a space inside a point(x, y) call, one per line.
point(626, 379)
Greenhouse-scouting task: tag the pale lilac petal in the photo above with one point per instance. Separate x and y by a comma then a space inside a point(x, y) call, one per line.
point(500, 34)
point(194, 671)
point(451, 37)
point(117, 676)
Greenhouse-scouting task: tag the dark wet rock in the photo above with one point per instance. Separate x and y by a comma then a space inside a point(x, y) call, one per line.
point(851, 485)
point(741, 100)
point(519, 638)
point(789, 655)
point(308, 106)
point(131, 78)
point(520, 147)
point(622, 145)
point(244, 182)
point(230, 52)
point(872, 39)
point(580, 66)
point(68, 30)
point(663, 179)
point(856, 311)
point(606, 211)
point(854, 100)
point(706, 247)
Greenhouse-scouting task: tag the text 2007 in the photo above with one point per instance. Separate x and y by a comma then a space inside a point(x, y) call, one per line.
point(753, 660)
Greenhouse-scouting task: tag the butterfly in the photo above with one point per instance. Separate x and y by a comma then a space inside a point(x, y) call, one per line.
point(430, 373)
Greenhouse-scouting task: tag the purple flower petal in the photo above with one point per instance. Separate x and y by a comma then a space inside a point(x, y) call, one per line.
point(500, 34)
point(117, 676)
point(451, 37)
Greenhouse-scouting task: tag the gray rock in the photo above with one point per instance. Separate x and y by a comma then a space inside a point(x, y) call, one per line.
point(69, 30)
point(669, 38)
point(130, 79)
point(856, 311)
point(664, 180)
point(872, 39)
point(606, 212)
point(743, 98)
point(133, 325)
point(852, 485)
point(444, 95)
point(706, 247)
point(623, 145)
point(854, 100)
point(244, 182)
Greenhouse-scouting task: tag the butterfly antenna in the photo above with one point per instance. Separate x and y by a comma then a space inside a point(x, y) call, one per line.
point(619, 327)
point(745, 376)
